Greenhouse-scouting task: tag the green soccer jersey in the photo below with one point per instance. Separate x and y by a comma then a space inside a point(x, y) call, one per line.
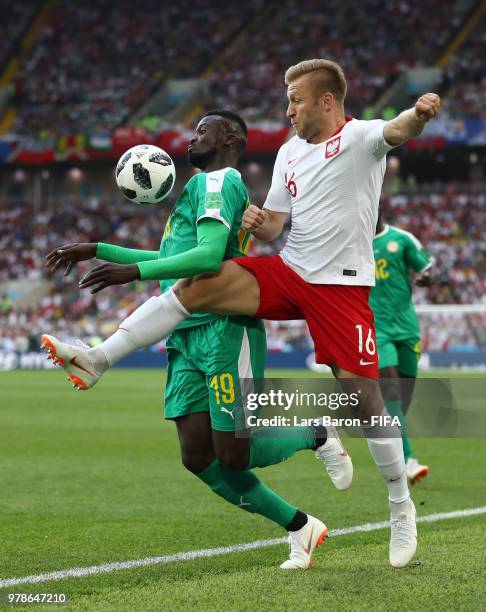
point(219, 195)
point(396, 253)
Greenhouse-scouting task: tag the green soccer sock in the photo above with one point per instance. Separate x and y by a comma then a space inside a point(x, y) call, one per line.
point(276, 444)
point(245, 490)
point(395, 409)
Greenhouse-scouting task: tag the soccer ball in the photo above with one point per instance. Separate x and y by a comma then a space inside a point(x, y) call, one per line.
point(145, 174)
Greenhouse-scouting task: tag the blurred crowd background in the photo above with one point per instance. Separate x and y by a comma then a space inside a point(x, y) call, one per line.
point(94, 63)
point(69, 68)
point(449, 219)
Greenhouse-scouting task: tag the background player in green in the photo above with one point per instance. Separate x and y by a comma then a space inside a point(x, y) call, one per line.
point(208, 354)
point(398, 252)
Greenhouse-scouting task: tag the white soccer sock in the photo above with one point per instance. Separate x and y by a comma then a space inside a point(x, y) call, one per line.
point(154, 320)
point(388, 455)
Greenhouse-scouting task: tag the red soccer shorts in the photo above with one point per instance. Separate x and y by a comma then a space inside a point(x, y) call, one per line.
point(339, 317)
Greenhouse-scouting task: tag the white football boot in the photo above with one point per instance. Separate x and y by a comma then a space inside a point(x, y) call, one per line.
point(415, 471)
point(337, 461)
point(303, 542)
point(74, 359)
point(403, 541)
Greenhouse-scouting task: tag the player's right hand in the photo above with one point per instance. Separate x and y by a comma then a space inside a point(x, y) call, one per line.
point(427, 106)
point(423, 279)
point(69, 255)
point(253, 218)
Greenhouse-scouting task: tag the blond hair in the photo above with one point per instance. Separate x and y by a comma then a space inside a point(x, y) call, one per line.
point(329, 76)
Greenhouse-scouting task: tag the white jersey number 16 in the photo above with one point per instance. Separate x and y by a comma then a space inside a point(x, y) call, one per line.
point(369, 344)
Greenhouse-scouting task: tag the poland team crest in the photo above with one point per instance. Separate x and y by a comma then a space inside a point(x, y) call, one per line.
point(332, 147)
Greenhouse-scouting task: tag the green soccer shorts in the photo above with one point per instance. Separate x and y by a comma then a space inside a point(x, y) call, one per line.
point(206, 365)
point(402, 354)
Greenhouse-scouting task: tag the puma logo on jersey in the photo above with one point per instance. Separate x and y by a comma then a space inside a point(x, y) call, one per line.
point(332, 147)
point(230, 412)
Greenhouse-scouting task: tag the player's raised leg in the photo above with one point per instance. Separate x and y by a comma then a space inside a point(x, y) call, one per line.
point(84, 367)
point(232, 291)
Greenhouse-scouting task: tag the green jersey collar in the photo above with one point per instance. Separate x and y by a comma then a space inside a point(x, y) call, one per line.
point(383, 231)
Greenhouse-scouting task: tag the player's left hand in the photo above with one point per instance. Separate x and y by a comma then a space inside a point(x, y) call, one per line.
point(109, 274)
point(427, 106)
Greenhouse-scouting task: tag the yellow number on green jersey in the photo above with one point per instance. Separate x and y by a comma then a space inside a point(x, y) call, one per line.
point(224, 388)
point(381, 269)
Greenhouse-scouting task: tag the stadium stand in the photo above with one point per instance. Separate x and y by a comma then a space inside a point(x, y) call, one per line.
point(465, 76)
point(88, 73)
point(15, 18)
point(24, 244)
point(250, 77)
point(449, 220)
point(96, 62)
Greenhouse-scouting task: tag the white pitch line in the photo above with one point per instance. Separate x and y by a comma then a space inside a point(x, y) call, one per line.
point(79, 572)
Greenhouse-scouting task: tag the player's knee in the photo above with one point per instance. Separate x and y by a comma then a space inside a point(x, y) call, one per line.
point(196, 462)
point(390, 389)
point(233, 459)
point(190, 294)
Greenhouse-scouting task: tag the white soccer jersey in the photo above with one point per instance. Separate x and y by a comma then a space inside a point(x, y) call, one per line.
point(332, 191)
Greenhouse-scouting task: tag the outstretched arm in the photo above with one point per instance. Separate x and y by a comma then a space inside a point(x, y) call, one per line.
point(70, 254)
point(122, 255)
point(410, 123)
point(205, 258)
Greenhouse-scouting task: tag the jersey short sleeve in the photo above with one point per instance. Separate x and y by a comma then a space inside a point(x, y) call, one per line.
point(416, 256)
point(220, 196)
point(278, 198)
point(370, 136)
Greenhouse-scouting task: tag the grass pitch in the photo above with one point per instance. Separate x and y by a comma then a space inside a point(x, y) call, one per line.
point(92, 478)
